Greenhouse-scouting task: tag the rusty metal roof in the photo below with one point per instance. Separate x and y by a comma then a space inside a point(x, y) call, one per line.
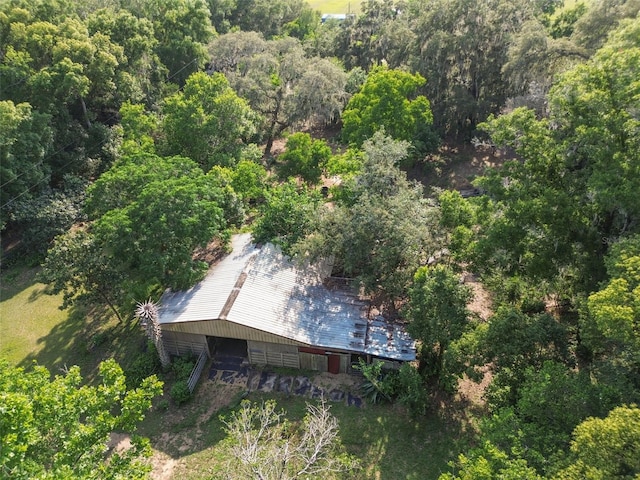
point(259, 287)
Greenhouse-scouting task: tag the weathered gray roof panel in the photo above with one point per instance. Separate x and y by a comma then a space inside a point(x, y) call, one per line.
point(260, 288)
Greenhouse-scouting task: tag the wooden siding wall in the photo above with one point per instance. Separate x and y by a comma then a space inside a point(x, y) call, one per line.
point(261, 353)
point(345, 363)
point(262, 347)
point(226, 329)
point(311, 361)
point(180, 343)
point(320, 363)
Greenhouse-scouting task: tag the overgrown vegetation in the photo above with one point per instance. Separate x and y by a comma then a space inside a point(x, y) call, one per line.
point(133, 134)
point(181, 367)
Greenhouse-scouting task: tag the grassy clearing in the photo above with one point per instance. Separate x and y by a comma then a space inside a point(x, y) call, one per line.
point(35, 329)
point(336, 6)
point(388, 443)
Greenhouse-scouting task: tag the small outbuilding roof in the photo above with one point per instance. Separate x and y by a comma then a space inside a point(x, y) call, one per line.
point(259, 287)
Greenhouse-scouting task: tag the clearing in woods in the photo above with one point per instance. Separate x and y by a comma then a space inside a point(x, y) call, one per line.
point(335, 6)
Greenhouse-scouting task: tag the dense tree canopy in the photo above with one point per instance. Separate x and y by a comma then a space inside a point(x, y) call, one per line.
point(304, 157)
point(152, 212)
point(387, 101)
point(25, 139)
point(606, 447)
point(60, 428)
point(381, 229)
point(460, 48)
point(104, 93)
point(438, 315)
point(207, 122)
point(279, 81)
point(287, 215)
point(558, 205)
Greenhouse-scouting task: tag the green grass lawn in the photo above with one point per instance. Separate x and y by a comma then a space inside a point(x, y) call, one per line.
point(27, 317)
point(336, 6)
point(387, 442)
point(35, 329)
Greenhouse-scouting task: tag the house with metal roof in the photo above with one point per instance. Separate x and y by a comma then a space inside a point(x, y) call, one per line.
point(279, 314)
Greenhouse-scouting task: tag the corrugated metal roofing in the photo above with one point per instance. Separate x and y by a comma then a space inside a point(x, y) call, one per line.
point(206, 300)
point(260, 288)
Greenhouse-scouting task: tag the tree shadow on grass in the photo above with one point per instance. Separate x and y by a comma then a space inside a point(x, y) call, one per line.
point(392, 444)
point(16, 279)
point(85, 338)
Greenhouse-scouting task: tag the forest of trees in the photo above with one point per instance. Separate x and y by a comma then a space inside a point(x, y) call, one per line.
point(133, 134)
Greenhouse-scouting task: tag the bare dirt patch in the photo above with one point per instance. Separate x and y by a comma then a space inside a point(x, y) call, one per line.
point(162, 466)
point(482, 303)
point(455, 165)
point(119, 442)
point(340, 381)
point(184, 427)
point(472, 392)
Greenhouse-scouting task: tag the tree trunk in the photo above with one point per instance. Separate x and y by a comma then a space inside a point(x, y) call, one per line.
point(112, 307)
point(269, 144)
point(84, 111)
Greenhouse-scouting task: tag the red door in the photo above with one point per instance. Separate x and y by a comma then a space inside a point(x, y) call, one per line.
point(334, 364)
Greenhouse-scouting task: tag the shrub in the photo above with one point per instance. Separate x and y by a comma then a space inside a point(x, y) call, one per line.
point(378, 385)
point(183, 366)
point(411, 390)
point(180, 392)
point(144, 365)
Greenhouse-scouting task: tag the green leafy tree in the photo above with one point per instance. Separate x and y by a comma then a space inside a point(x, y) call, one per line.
point(25, 140)
point(182, 29)
point(380, 33)
point(287, 215)
point(76, 76)
point(615, 309)
point(381, 230)
point(461, 46)
point(534, 59)
point(458, 216)
point(51, 213)
point(600, 19)
point(207, 122)
point(122, 183)
point(273, 18)
point(154, 232)
point(60, 428)
point(543, 226)
point(487, 463)
point(141, 67)
point(532, 436)
point(148, 215)
point(609, 332)
point(553, 401)
point(81, 269)
point(345, 165)
point(304, 157)
point(250, 180)
point(279, 81)
point(138, 128)
point(387, 101)
point(563, 22)
point(606, 447)
point(514, 341)
point(438, 315)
